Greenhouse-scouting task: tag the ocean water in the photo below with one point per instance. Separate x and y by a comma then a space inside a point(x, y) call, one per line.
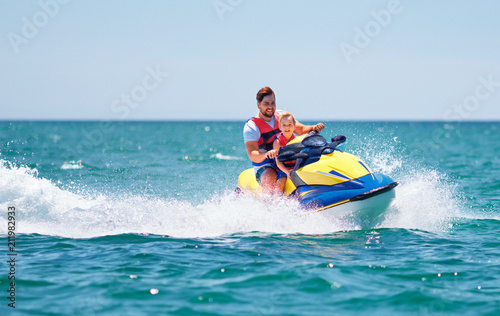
point(140, 218)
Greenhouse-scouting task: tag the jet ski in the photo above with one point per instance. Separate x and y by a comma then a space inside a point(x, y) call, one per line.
point(328, 180)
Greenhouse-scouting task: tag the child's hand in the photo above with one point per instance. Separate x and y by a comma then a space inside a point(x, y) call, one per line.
point(273, 153)
point(319, 127)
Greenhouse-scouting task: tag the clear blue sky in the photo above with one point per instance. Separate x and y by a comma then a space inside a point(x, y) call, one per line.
point(330, 60)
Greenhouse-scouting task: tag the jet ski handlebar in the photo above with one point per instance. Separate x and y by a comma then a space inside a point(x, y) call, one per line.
point(312, 145)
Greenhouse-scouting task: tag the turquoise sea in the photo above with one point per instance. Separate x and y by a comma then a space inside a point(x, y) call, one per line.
point(140, 218)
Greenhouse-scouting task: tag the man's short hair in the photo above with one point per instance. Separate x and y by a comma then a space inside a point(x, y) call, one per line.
point(263, 93)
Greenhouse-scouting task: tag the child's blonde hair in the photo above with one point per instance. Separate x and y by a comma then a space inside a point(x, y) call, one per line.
point(286, 114)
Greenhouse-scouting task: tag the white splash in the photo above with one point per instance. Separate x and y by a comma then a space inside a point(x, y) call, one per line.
point(423, 201)
point(44, 208)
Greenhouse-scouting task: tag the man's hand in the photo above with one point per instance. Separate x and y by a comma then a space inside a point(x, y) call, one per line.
point(273, 153)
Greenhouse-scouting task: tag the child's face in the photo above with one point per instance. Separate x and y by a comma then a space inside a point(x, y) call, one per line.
point(287, 126)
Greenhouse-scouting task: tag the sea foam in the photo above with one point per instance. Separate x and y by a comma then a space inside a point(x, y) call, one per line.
point(423, 201)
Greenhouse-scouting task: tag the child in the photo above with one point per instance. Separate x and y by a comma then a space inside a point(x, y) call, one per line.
point(287, 125)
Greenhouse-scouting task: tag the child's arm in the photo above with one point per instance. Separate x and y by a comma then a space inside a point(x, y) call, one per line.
point(301, 129)
point(283, 168)
point(276, 145)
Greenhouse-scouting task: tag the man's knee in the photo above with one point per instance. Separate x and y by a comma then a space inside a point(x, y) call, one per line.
point(269, 176)
point(270, 173)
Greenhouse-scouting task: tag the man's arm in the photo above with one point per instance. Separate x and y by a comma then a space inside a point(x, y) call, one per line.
point(251, 135)
point(253, 151)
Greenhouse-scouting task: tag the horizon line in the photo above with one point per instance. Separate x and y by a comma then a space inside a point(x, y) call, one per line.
point(243, 120)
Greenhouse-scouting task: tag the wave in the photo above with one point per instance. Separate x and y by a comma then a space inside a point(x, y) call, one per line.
point(217, 156)
point(72, 165)
point(224, 157)
point(423, 201)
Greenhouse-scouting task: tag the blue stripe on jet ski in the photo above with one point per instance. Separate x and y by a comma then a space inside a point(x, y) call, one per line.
point(339, 175)
point(364, 166)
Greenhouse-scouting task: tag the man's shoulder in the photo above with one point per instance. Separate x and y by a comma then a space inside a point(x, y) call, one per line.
point(250, 124)
point(250, 131)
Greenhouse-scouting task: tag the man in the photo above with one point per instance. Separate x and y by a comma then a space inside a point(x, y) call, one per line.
point(258, 135)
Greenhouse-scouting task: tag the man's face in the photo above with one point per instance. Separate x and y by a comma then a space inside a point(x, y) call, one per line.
point(268, 106)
